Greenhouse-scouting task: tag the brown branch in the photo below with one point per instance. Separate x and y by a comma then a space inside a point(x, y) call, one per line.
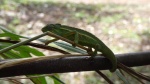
point(75, 64)
point(104, 76)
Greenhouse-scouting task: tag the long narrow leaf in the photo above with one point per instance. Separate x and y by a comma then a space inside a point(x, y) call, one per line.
point(70, 47)
point(121, 77)
point(56, 79)
point(9, 32)
point(32, 51)
point(5, 29)
point(39, 80)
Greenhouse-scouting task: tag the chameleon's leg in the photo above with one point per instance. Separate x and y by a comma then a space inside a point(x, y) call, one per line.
point(95, 51)
point(92, 53)
point(76, 37)
point(89, 51)
point(65, 39)
point(66, 35)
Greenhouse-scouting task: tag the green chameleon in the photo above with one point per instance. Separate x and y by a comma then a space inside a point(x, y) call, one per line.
point(83, 38)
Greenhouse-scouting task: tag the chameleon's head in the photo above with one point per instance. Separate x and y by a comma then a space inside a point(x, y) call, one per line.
point(50, 27)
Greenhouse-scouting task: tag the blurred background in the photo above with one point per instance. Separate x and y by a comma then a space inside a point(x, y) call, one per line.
point(123, 25)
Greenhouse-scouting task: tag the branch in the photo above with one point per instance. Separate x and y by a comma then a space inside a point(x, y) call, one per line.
point(74, 64)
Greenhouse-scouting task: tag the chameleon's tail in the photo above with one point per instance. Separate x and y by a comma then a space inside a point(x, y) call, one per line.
point(114, 64)
point(110, 55)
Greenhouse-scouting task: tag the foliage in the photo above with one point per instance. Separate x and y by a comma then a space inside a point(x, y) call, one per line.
point(21, 52)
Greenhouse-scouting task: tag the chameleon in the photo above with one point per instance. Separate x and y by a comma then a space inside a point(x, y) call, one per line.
point(83, 38)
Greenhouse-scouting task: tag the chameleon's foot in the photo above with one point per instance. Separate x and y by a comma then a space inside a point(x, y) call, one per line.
point(89, 51)
point(92, 55)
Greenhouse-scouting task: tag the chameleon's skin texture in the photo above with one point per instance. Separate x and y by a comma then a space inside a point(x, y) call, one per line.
point(83, 38)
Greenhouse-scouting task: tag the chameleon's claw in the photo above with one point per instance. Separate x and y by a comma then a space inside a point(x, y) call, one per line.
point(90, 52)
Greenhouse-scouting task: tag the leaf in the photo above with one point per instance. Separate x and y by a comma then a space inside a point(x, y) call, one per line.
point(13, 37)
point(22, 51)
point(32, 50)
point(70, 47)
point(8, 32)
point(11, 53)
point(39, 80)
point(5, 29)
point(56, 79)
point(121, 77)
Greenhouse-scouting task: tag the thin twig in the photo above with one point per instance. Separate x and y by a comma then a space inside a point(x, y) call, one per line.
point(104, 76)
point(131, 75)
point(121, 72)
point(127, 69)
point(136, 77)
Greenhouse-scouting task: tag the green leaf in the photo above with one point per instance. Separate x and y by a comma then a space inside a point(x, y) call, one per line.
point(70, 47)
point(56, 79)
point(32, 50)
point(22, 51)
point(5, 29)
point(10, 34)
point(39, 80)
point(121, 77)
point(11, 53)
point(13, 36)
